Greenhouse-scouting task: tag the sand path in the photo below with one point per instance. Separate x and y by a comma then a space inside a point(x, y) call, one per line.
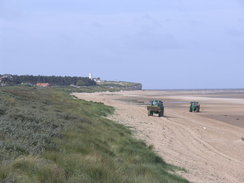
point(211, 151)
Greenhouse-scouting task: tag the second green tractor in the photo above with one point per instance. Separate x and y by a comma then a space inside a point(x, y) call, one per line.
point(194, 107)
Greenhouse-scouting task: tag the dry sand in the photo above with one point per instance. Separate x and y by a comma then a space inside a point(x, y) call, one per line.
point(209, 144)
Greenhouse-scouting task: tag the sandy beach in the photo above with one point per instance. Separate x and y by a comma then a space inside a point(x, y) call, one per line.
point(209, 144)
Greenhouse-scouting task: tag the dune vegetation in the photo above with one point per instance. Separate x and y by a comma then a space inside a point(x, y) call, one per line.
point(48, 136)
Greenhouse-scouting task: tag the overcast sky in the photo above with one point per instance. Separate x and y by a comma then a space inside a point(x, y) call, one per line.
point(176, 44)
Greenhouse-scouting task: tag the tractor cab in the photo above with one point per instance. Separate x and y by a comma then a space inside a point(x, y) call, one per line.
point(194, 103)
point(157, 103)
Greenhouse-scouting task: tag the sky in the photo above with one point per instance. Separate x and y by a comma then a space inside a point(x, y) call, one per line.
point(176, 44)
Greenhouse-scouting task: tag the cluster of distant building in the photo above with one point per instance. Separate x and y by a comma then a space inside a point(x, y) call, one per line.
point(98, 79)
point(43, 84)
point(7, 77)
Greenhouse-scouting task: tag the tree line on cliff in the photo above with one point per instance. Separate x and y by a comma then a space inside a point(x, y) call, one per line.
point(52, 80)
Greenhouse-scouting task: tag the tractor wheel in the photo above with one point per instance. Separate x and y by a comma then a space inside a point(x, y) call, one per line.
point(190, 109)
point(198, 109)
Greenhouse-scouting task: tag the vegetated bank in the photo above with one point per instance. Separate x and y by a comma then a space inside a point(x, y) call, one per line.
point(120, 84)
point(65, 81)
point(48, 136)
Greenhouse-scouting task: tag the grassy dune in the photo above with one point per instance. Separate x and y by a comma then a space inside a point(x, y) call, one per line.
point(47, 136)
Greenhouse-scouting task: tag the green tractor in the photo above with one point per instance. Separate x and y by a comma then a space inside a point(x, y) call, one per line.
point(156, 107)
point(194, 107)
